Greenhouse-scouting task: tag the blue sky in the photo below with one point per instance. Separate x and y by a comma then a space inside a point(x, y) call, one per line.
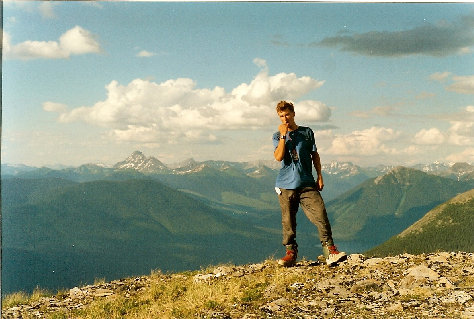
point(91, 82)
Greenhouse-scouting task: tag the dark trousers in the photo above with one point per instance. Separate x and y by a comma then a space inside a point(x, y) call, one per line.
point(313, 206)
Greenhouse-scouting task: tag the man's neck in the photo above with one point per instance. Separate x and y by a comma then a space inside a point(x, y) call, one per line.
point(293, 127)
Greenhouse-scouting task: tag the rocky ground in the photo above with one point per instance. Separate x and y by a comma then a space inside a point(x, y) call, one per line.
point(437, 285)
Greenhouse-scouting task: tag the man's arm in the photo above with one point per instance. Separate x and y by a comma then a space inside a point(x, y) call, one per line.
point(317, 165)
point(280, 150)
point(279, 153)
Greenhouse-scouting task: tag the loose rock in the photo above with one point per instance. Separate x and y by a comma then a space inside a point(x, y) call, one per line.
point(404, 286)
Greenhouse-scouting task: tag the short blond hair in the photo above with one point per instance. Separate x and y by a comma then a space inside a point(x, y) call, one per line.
point(284, 105)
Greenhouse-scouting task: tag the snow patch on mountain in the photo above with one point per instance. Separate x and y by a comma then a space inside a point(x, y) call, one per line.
point(341, 169)
point(138, 161)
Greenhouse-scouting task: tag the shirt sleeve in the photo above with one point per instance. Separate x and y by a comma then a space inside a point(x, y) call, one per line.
point(276, 139)
point(313, 141)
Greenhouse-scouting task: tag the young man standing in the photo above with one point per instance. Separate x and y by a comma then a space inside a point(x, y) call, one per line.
point(295, 147)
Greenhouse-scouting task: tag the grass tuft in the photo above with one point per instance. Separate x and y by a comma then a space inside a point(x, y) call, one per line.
point(15, 299)
point(22, 298)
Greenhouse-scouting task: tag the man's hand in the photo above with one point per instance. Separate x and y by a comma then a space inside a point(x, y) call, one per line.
point(320, 183)
point(283, 128)
point(279, 153)
point(317, 167)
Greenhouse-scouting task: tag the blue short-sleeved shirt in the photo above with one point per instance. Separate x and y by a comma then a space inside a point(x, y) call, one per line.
point(297, 165)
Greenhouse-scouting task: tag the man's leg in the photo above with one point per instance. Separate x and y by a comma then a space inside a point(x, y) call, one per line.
point(314, 208)
point(289, 208)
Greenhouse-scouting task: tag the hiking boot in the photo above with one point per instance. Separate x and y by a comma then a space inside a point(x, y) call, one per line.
point(290, 257)
point(332, 255)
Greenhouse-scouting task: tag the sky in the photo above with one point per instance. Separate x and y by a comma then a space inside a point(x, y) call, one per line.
point(379, 83)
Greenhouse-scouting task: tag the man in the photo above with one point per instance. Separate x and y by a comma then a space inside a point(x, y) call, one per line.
point(295, 147)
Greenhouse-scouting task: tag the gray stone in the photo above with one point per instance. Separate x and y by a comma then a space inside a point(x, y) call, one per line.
point(405, 286)
point(439, 258)
point(103, 293)
point(275, 305)
point(422, 272)
point(341, 292)
point(445, 283)
point(468, 313)
point(200, 278)
point(355, 258)
point(76, 293)
point(373, 262)
point(365, 285)
point(460, 297)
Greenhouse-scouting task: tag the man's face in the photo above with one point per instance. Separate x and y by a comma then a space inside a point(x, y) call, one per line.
point(287, 117)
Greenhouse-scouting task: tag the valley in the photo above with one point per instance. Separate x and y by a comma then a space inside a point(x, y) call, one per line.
point(64, 227)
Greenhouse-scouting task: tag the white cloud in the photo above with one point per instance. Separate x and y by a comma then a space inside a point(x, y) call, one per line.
point(282, 86)
point(176, 109)
point(145, 54)
point(261, 63)
point(368, 142)
point(79, 41)
point(462, 84)
point(33, 49)
point(44, 8)
point(54, 107)
point(461, 133)
point(47, 10)
point(466, 114)
point(6, 42)
point(467, 155)
point(73, 42)
point(136, 133)
point(432, 136)
point(440, 76)
point(313, 111)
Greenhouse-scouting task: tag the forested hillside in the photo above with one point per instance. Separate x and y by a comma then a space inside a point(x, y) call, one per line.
point(384, 206)
point(60, 236)
point(448, 227)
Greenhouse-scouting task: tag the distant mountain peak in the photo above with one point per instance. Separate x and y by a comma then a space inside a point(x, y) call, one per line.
point(398, 175)
point(137, 154)
point(189, 162)
point(342, 169)
point(138, 161)
point(190, 169)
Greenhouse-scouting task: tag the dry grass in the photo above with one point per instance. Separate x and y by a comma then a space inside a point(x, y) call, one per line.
point(15, 299)
point(180, 296)
point(22, 298)
point(352, 290)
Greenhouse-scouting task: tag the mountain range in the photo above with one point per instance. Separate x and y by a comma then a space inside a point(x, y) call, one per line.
point(448, 227)
point(151, 165)
point(381, 207)
point(339, 176)
point(63, 232)
point(138, 161)
point(61, 226)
